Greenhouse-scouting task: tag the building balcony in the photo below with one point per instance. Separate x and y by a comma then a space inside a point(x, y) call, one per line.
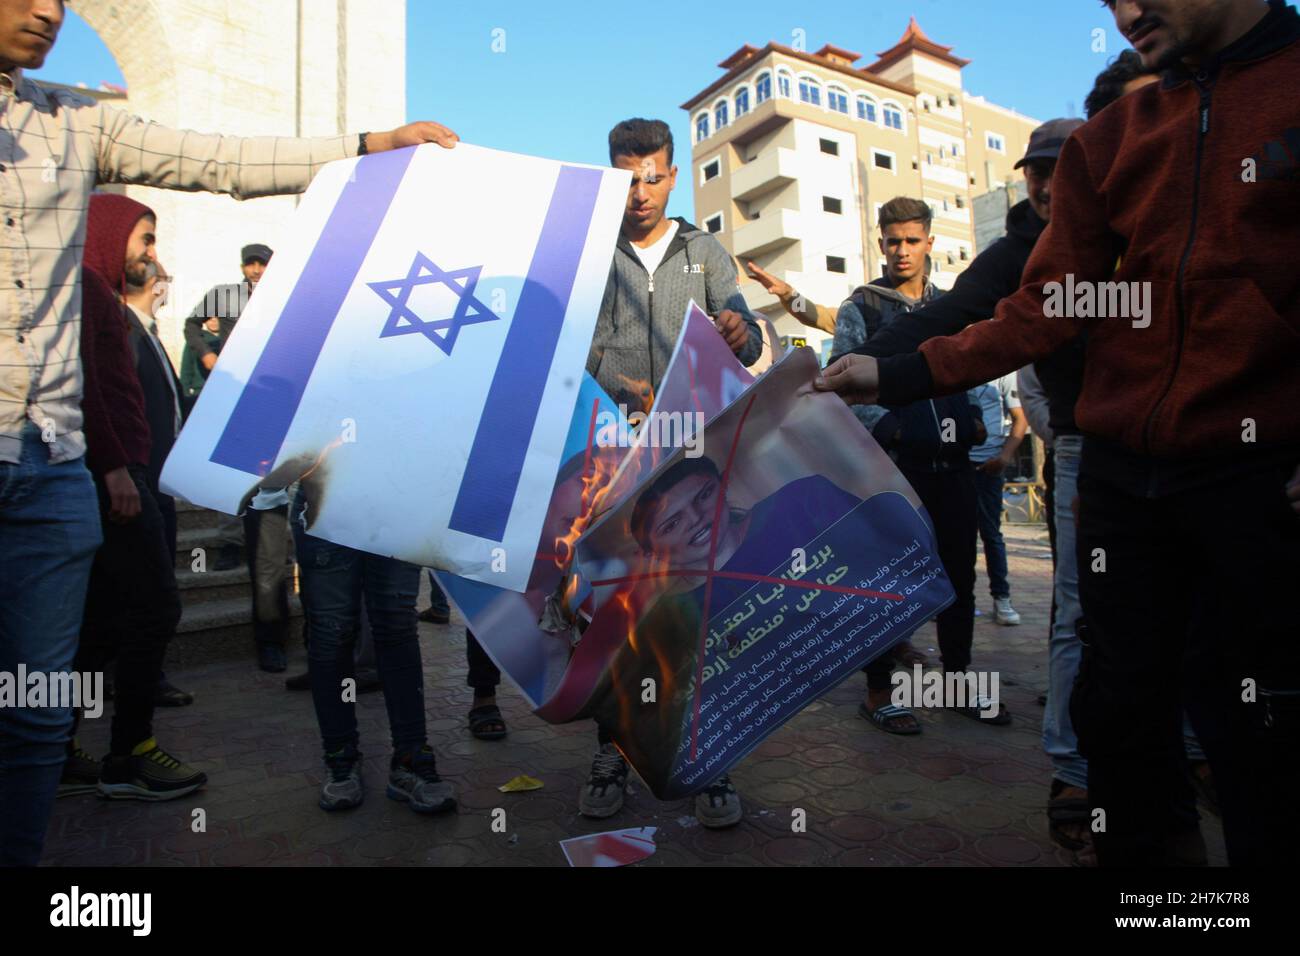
point(764, 174)
point(776, 229)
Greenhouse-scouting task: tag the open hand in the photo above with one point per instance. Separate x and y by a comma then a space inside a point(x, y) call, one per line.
point(855, 378)
point(768, 281)
point(123, 496)
point(412, 134)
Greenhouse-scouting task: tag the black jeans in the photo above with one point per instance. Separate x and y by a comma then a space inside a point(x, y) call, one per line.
point(484, 676)
point(1190, 599)
point(132, 609)
point(949, 498)
point(266, 554)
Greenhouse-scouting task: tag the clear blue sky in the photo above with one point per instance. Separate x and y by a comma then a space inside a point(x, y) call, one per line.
point(570, 71)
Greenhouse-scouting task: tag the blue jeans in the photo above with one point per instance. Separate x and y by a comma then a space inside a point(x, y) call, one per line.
point(1064, 650)
point(49, 531)
point(988, 496)
point(334, 580)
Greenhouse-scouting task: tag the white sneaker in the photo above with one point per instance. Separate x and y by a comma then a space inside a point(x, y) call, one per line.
point(1004, 613)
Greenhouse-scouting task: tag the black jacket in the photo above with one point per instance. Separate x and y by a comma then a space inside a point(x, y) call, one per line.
point(161, 389)
point(913, 434)
point(992, 276)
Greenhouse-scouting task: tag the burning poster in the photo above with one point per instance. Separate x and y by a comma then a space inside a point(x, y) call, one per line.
point(602, 455)
point(413, 355)
point(733, 588)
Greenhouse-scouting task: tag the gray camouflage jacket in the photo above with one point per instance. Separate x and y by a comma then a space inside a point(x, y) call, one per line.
point(642, 315)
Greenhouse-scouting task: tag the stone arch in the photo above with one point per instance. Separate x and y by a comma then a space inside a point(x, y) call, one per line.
point(136, 34)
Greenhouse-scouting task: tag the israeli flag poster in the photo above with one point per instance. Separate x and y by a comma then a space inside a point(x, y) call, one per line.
point(413, 356)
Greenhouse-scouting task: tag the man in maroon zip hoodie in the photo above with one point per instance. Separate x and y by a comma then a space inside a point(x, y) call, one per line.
point(1189, 487)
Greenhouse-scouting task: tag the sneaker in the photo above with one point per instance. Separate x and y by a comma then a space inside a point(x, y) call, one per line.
point(1004, 613)
point(270, 657)
point(719, 805)
point(148, 773)
point(413, 779)
point(603, 794)
point(342, 787)
point(169, 695)
point(80, 774)
point(435, 615)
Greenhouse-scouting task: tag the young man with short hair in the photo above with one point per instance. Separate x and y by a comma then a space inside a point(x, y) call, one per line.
point(929, 441)
point(660, 265)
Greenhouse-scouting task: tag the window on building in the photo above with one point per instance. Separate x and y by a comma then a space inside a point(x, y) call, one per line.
point(838, 100)
point(832, 205)
point(925, 104)
point(961, 202)
point(945, 205)
point(893, 117)
point(956, 151)
point(711, 170)
point(829, 146)
point(836, 264)
point(701, 127)
point(866, 109)
point(995, 142)
point(742, 102)
point(713, 223)
point(952, 99)
point(810, 91)
point(952, 260)
point(720, 114)
point(882, 160)
point(783, 84)
point(964, 254)
point(763, 88)
point(929, 159)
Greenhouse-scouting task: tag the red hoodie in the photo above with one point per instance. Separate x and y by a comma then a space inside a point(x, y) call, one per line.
point(112, 404)
point(108, 227)
point(1162, 182)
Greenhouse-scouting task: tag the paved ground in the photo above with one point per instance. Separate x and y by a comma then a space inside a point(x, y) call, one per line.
point(961, 794)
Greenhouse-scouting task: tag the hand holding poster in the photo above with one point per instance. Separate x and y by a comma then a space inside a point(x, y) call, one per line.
point(734, 588)
point(414, 362)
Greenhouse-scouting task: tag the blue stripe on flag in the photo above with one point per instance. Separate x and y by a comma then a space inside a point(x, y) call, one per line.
point(496, 459)
point(261, 418)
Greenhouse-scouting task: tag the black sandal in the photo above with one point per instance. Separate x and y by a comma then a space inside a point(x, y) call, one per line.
point(883, 717)
point(1066, 811)
point(486, 722)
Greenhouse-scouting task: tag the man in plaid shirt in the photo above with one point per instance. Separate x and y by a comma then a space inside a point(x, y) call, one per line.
point(55, 147)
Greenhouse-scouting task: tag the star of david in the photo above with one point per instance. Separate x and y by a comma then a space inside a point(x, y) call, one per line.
point(404, 321)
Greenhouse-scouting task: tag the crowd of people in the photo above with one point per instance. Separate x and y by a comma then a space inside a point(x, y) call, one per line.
point(1170, 669)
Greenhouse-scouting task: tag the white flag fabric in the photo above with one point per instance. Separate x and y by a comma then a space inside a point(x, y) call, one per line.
point(413, 354)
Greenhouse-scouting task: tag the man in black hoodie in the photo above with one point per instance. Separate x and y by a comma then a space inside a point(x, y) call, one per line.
point(929, 440)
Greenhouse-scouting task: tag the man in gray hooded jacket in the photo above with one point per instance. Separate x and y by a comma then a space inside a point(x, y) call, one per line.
point(660, 265)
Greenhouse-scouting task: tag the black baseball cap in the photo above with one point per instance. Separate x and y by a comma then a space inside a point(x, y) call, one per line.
point(255, 251)
point(1046, 141)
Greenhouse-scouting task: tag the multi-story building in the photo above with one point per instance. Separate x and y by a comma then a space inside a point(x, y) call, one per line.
point(794, 153)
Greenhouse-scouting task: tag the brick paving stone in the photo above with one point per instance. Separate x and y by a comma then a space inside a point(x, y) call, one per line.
point(961, 793)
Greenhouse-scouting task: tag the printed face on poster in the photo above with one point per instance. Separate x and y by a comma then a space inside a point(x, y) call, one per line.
point(734, 588)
